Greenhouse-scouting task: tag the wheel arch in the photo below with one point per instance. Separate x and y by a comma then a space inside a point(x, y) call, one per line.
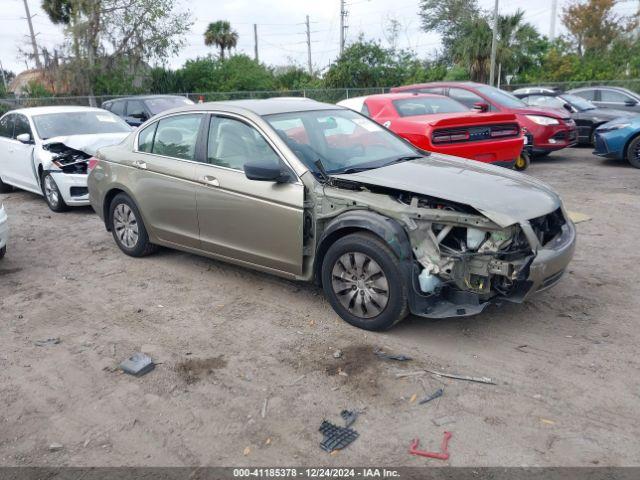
point(106, 203)
point(627, 144)
point(387, 229)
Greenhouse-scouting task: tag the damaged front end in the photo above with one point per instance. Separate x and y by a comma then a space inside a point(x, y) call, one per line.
point(66, 159)
point(460, 260)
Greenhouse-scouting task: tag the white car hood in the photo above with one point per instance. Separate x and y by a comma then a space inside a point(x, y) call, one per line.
point(88, 144)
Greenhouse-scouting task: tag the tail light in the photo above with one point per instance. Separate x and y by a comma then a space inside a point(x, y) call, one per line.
point(448, 137)
point(93, 163)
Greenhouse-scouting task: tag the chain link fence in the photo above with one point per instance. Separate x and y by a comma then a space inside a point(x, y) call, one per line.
point(632, 84)
point(328, 95)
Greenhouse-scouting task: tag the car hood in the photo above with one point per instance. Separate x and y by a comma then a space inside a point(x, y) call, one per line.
point(547, 112)
point(504, 196)
point(606, 115)
point(88, 144)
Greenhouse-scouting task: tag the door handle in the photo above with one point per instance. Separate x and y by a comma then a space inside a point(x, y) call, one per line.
point(211, 181)
point(142, 165)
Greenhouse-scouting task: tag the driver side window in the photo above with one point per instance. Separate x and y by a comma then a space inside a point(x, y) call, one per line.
point(232, 143)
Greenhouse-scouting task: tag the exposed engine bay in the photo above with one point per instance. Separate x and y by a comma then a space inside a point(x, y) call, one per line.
point(67, 159)
point(456, 249)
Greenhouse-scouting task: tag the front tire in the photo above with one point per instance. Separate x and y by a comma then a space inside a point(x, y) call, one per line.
point(52, 194)
point(3, 251)
point(128, 228)
point(633, 152)
point(364, 283)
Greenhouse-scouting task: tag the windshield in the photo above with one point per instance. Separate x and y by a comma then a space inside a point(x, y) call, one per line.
point(578, 102)
point(157, 105)
point(342, 140)
point(501, 97)
point(410, 107)
point(51, 125)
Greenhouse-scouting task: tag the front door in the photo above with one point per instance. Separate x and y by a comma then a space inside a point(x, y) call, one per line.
point(21, 157)
point(257, 222)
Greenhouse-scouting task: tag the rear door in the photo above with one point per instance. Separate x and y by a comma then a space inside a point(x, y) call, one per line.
point(163, 178)
point(251, 221)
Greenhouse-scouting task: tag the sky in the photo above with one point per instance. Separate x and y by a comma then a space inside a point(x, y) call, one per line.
point(281, 29)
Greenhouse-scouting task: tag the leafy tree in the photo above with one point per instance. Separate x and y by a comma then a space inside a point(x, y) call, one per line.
point(221, 35)
point(368, 64)
point(593, 25)
point(107, 34)
point(448, 18)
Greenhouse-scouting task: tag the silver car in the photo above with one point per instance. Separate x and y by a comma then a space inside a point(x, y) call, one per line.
point(314, 192)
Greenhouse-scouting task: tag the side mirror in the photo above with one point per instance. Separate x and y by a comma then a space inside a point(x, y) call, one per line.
point(265, 172)
point(568, 107)
point(24, 138)
point(481, 106)
point(630, 103)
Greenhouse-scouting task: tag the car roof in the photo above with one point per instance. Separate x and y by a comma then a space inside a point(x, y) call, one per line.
point(142, 97)
point(444, 84)
point(30, 111)
point(268, 106)
point(603, 87)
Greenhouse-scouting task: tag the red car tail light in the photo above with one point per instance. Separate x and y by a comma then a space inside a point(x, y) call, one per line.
point(93, 163)
point(450, 136)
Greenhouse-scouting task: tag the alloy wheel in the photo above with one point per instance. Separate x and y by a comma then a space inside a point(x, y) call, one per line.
point(51, 191)
point(360, 284)
point(125, 225)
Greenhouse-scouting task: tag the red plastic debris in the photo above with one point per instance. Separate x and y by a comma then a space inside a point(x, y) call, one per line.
point(443, 454)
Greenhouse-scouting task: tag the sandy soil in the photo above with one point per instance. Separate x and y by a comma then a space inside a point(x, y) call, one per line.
point(227, 339)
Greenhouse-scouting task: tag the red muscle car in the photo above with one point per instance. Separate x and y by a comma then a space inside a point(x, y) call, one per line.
point(440, 124)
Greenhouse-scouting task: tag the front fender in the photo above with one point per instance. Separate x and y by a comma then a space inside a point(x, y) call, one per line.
point(387, 229)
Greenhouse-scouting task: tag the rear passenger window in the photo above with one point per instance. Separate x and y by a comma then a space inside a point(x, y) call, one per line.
point(613, 96)
point(176, 136)
point(117, 108)
point(465, 96)
point(6, 126)
point(145, 138)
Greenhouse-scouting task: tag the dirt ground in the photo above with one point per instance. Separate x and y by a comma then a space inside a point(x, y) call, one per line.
point(227, 340)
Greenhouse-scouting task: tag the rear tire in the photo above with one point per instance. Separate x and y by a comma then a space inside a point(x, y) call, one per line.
point(3, 251)
point(5, 188)
point(52, 194)
point(633, 152)
point(364, 283)
point(128, 228)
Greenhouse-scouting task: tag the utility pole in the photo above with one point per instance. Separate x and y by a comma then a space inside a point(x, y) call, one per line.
point(494, 45)
point(343, 27)
point(34, 44)
point(554, 15)
point(255, 40)
point(309, 47)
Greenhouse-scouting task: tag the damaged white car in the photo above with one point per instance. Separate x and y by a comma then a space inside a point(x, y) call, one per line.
point(46, 150)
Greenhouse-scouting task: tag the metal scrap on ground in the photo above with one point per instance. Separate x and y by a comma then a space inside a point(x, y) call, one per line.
point(436, 394)
point(391, 356)
point(336, 438)
point(47, 343)
point(137, 364)
point(447, 375)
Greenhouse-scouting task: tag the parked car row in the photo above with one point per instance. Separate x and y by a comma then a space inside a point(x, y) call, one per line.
point(387, 223)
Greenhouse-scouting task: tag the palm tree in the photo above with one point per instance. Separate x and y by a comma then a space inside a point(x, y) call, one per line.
point(220, 34)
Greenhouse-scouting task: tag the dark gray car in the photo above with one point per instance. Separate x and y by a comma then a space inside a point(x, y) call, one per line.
point(610, 97)
point(137, 110)
point(310, 191)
